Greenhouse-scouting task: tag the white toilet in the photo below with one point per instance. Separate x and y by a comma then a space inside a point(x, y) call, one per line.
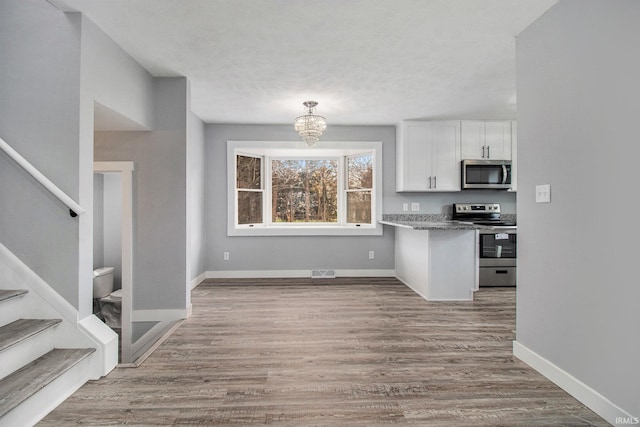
point(110, 301)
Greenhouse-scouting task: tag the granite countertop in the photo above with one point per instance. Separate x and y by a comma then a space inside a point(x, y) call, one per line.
point(433, 225)
point(429, 222)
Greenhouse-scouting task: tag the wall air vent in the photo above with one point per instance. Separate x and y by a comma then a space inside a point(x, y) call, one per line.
point(323, 274)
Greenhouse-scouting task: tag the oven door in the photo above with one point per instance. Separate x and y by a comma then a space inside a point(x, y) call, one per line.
point(491, 174)
point(497, 263)
point(497, 245)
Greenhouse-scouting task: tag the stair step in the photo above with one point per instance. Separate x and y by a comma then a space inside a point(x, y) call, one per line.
point(15, 332)
point(28, 380)
point(6, 294)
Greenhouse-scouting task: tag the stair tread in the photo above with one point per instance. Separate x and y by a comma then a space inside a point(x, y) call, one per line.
point(21, 329)
point(6, 294)
point(31, 378)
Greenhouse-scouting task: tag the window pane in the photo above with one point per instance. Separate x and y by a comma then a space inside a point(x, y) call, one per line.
point(359, 207)
point(360, 171)
point(249, 207)
point(304, 191)
point(249, 171)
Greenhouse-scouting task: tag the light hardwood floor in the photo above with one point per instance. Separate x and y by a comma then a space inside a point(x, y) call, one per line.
point(335, 352)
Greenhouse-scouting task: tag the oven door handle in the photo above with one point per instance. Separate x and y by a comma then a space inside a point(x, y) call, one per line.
point(504, 174)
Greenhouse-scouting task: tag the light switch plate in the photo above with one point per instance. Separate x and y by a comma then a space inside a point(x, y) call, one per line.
point(415, 207)
point(543, 193)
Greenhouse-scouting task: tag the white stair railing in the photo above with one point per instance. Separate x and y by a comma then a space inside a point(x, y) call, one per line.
point(75, 209)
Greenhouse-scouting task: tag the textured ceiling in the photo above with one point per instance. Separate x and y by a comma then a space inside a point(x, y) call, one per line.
point(364, 61)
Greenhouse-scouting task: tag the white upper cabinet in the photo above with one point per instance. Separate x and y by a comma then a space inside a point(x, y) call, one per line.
point(486, 140)
point(428, 156)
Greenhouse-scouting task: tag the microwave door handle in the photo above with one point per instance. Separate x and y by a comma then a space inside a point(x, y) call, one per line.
point(504, 174)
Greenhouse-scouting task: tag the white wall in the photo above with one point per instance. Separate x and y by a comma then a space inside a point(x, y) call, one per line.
point(578, 295)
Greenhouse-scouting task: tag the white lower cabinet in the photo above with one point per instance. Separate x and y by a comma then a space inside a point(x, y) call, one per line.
point(439, 265)
point(428, 156)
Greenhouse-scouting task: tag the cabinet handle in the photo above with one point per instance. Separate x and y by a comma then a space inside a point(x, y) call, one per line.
point(483, 151)
point(435, 182)
point(429, 182)
point(488, 152)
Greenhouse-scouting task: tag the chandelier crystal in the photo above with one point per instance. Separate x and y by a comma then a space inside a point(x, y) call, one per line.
point(310, 126)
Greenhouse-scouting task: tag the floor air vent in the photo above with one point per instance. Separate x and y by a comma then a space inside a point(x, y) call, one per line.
point(323, 274)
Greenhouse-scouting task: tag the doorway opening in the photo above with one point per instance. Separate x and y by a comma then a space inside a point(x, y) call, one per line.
point(113, 244)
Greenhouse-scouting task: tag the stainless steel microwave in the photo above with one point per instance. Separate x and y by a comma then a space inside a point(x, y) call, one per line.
point(486, 174)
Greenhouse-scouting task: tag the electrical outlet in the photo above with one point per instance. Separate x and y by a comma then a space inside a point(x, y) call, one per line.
point(372, 255)
point(543, 193)
point(405, 207)
point(225, 256)
point(415, 207)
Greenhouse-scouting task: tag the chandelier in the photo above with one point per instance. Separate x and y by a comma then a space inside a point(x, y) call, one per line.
point(310, 126)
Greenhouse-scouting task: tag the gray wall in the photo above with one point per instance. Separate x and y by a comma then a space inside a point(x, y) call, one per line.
point(160, 200)
point(195, 196)
point(39, 117)
point(98, 220)
point(578, 80)
point(55, 67)
point(287, 253)
point(302, 253)
point(107, 224)
point(112, 226)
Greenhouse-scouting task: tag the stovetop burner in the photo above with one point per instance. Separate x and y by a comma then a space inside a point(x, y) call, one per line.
point(481, 214)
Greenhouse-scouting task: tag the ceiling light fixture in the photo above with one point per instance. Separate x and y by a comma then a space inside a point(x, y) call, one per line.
point(310, 126)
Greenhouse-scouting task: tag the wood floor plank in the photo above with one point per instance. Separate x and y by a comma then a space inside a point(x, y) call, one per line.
point(298, 352)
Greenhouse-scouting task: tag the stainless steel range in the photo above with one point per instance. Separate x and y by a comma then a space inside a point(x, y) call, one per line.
point(497, 249)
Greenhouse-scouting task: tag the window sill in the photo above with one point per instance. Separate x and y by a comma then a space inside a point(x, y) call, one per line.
point(324, 230)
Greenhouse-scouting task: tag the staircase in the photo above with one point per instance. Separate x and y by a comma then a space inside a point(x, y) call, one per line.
point(35, 376)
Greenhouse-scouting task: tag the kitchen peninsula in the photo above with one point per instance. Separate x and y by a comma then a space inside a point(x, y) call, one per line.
point(436, 257)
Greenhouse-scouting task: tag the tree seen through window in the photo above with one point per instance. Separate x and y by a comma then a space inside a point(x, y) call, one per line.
point(304, 191)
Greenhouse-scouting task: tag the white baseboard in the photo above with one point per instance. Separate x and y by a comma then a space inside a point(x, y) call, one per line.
point(195, 282)
point(163, 315)
point(572, 385)
point(150, 341)
point(263, 274)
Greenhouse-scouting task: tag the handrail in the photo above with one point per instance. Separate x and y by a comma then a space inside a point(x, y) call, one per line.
point(74, 208)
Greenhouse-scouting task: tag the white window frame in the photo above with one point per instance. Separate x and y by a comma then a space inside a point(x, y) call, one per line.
point(277, 150)
point(236, 190)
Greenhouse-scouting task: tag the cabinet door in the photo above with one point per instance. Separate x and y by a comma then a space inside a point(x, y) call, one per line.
point(445, 139)
point(414, 157)
point(498, 140)
point(473, 140)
